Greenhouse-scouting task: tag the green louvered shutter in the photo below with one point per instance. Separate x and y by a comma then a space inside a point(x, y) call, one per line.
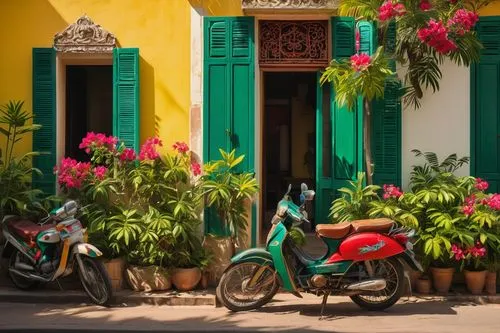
point(229, 93)
point(485, 105)
point(44, 110)
point(126, 95)
point(386, 125)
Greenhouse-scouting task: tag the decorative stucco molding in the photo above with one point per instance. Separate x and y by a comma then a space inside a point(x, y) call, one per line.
point(84, 36)
point(290, 4)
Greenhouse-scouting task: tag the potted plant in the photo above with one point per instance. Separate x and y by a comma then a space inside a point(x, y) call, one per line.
point(189, 267)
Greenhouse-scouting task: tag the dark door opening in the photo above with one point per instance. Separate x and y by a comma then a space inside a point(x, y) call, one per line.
point(89, 105)
point(289, 140)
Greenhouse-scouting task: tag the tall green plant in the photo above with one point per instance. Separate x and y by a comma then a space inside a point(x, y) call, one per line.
point(227, 189)
point(15, 172)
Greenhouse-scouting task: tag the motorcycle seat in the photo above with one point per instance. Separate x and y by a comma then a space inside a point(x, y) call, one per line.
point(27, 229)
point(341, 230)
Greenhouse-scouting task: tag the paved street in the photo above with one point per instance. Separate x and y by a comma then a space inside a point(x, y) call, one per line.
point(284, 315)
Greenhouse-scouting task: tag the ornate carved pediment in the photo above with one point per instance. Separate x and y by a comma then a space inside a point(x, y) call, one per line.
point(84, 36)
point(289, 4)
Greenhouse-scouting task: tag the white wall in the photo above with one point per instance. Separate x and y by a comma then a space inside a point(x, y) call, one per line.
point(441, 125)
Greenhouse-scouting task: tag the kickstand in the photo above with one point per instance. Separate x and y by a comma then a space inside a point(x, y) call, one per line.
point(60, 287)
point(323, 304)
point(407, 276)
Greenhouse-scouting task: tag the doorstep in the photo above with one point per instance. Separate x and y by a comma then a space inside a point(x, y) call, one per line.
point(120, 298)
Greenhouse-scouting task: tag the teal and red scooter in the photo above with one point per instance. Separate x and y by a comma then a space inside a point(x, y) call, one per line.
point(364, 260)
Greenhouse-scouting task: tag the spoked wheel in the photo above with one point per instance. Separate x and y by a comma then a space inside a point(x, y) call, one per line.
point(247, 286)
point(19, 281)
point(95, 280)
point(393, 272)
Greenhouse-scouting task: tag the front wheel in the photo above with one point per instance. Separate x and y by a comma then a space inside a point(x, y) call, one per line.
point(247, 286)
point(392, 271)
point(95, 279)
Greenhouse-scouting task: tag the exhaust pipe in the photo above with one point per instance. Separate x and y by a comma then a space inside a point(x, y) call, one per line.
point(29, 275)
point(368, 285)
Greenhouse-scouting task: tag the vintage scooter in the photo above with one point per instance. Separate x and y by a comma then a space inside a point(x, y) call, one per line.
point(364, 260)
point(44, 252)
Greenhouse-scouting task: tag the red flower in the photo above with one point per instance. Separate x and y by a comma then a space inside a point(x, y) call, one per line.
point(100, 172)
point(72, 174)
point(478, 250)
point(481, 185)
point(389, 10)
point(92, 141)
point(148, 149)
point(128, 154)
point(463, 21)
point(458, 252)
point(436, 36)
point(468, 210)
point(391, 191)
point(493, 201)
point(360, 61)
point(425, 5)
point(196, 168)
point(181, 147)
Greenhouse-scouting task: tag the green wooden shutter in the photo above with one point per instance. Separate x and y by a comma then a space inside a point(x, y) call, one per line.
point(485, 105)
point(386, 125)
point(229, 93)
point(126, 96)
point(44, 110)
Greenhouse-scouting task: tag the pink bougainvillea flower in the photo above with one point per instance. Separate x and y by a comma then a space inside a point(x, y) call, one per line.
point(463, 21)
point(100, 172)
point(481, 185)
point(493, 201)
point(148, 149)
point(181, 147)
point(96, 140)
point(425, 5)
point(128, 154)
point(470, 200)
point(196, 168)
point(468, 210)
point(478, 251)
point(457, 252)
point(436, 36)
point(391, 191)
point(360, 61)
point(72, 173)
point(389, 10)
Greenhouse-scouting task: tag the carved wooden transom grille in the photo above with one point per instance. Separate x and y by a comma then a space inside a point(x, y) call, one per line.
point(293, 42)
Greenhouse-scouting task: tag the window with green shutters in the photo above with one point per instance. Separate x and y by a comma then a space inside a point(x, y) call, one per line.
point(228, 86)
point(126, 117)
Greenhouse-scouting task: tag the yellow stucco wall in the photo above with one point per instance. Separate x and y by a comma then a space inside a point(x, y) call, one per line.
point(218, 7)
point(159, 28)
point(491, 10)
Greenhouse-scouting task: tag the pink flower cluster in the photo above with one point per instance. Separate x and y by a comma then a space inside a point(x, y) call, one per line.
point(71, 173)
point(391, 191)
point(477, 251)
point(389, 10)
point(181, 147)
point(100, 172)
point(128, 154)
point(360, 61)
point(425, 5)
point(196, 168)
point(97, 140)
point(481, 185)
point(148, 149)
point(468, 208)
point(492, 201)
point(436, 36)
point(463, 21)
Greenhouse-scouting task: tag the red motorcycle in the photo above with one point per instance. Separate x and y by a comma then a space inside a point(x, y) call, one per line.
point(364, 260)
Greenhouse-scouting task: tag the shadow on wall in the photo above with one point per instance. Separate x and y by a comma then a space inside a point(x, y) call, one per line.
point(217, 7)
point(147, 98)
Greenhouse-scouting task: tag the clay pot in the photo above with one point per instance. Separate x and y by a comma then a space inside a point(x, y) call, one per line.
point(148, 278)
point(414, 276)
point(185, 279)
point(491, 283)
point(475, 281)
point(442, 278)
point(115, 269)
point(204, 280)
point(423, 286)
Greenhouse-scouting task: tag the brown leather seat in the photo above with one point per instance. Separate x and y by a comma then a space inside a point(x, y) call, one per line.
point(28, 229)
point(344, 229)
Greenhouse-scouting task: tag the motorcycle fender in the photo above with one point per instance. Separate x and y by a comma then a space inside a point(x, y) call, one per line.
point(86, 249)
point(366, 246)
point(259, 256)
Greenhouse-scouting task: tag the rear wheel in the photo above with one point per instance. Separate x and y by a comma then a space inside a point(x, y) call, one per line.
point(247, 286)
point(95, 280)
point(19, 281)
point(392, 271)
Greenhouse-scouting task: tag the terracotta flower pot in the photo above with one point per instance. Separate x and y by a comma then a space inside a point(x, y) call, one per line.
point(115, 269)
point(185, 279)
point(442, 278)
point(491, 283)
point(148, 278)
point(414, 276)
point(475, 281)
point(423, 286)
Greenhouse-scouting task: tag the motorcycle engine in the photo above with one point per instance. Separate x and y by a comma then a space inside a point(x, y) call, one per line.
point(318, 281)
point(49, 266)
